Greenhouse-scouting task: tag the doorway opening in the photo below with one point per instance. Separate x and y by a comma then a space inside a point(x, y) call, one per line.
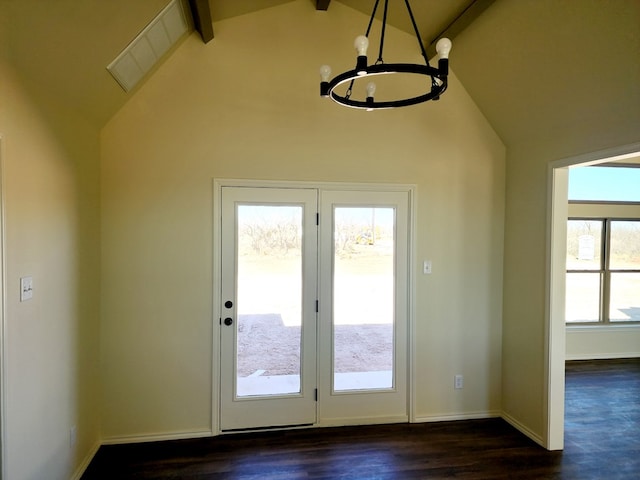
point(556, 283)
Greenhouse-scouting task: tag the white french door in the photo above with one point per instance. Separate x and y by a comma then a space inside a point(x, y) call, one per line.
point(314, 306)
point(363, 307)
point(268, 317)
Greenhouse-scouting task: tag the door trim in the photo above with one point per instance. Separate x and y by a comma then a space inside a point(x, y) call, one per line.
point(3, 336)
point(218, 184)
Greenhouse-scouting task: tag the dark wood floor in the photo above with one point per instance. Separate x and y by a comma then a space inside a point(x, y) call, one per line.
point(602, 442)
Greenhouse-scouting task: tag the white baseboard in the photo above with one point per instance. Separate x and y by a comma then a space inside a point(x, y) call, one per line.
point(158, 437)
point(85, 463)
point(457, 416)
point(481, 415)
point(525, 430)
point(601, 356)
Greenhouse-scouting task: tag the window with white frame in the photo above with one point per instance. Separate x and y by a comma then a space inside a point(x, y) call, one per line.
point(603, 271)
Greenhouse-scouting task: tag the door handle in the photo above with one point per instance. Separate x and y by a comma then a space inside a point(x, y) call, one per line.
point(228, 321)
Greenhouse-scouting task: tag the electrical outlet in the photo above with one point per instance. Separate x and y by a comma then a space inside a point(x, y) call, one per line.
point(458, 382)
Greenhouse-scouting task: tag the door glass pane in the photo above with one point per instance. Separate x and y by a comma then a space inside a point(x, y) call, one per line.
point(584, 243)
point(625, 245)
point(583, 297)
point(269, 311)
point(624, 302)
point(363, 298)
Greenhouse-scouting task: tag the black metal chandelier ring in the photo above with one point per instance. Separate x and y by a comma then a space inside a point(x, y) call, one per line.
point(438, 75)
point(437, 88)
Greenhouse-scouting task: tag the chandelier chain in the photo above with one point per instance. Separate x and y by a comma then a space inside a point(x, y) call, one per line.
point(382, 32)
point(415, 29)
point(375, 8)
point(349, 90)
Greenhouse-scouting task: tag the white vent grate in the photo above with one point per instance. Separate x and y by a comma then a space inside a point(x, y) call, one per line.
point(135, 61)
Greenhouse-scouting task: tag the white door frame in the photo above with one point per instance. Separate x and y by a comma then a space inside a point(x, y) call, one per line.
point(3, 283)
point(218, 183)
point(555, 329)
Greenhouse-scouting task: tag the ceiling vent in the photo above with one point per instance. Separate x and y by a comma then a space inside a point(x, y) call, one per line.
point(140, 56)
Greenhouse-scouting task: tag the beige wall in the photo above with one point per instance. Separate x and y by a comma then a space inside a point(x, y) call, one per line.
point(51, 213)
point(231, 110)
point(590, 343)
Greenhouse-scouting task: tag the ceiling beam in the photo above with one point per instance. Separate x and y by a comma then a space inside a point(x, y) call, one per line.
point(462, 21)
point(202, 18)
point(322, 4)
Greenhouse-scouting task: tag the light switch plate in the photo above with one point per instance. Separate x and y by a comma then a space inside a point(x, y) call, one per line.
point(426, 267)
point(26, 288)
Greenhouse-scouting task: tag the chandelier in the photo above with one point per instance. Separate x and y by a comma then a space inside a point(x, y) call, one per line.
point(435, 85)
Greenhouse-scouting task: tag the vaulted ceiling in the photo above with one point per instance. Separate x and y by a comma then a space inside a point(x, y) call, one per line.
point(532, 66)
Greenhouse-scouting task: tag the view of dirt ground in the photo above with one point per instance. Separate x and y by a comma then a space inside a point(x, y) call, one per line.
point(269, 295)
point(363, 330)
point(265, 343)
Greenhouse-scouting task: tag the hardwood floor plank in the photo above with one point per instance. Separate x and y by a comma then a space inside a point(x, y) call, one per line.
point(602, 441)
point(602, 418)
